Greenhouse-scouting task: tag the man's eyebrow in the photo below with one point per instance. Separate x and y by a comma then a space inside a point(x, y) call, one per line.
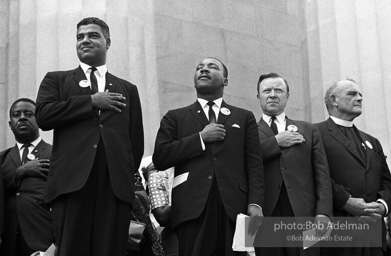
point(88, 33)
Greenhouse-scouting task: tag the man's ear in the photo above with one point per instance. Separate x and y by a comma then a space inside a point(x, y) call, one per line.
point(333, 100)
point(225, 81)
point(108, 43)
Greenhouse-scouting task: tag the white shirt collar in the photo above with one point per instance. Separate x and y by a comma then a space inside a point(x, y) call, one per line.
point(342, 122)
point(102, 70)
point(34, 143)
point(280, 118)
point(204, 103)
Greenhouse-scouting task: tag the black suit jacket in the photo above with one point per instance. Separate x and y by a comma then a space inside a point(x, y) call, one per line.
point(236, 162)
point(303, 168)
point(66, 107)
point(368, 178)
point(26, 199)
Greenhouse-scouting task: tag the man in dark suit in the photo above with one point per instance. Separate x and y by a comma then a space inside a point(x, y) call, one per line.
point(358, 169)
point(297, 181)
point(218, 165)
point(97, 146)
point(28, 220)
point(1, 208)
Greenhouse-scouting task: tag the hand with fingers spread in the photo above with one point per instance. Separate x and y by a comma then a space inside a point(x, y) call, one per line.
point(213, 132)
point(287, 139)
point(108, 101)
point(35, 168)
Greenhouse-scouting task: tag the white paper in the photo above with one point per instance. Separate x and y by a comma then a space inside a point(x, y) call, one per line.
point(240, 234)
point(312, 233)
point(180, 179)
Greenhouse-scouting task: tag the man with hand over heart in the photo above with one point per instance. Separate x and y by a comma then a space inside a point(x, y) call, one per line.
point(215, 150)
point(297, 180)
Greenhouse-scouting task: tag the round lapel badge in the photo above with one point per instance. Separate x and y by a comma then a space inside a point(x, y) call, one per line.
point(292, 128)
point(30, 157)
point(225, 111)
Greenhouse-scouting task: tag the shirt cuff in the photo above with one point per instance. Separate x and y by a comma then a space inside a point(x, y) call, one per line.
point(202, 142)
point(257, 205)
point(385, 205)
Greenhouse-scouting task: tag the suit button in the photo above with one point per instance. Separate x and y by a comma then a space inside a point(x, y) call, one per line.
point(101, 125)
point(95, 146)
point(214, 159)
point(209, 177)
point(17, 193)
point(283, 169)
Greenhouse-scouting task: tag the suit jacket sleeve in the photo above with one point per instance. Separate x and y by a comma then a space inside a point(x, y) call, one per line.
point(1, 204)
point(324, 201)
point(52, 111)
point(270, 149)
point(254, 163)
point(169, 150)
point(136, 130)
point(385, 191)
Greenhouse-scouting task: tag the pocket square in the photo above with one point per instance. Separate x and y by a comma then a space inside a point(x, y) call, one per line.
point(236, 126)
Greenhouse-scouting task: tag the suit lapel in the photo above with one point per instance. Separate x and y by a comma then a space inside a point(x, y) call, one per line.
point(111, 82)
point(15, 156)
point(223, 115)
point(197, 111)
point(265, 128)
point(288, 122)
point(336, 133)
point(363, 139)
point(41, 147)
point(79, 75)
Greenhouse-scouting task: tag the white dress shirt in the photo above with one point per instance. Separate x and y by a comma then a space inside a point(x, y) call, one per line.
point(31, 147)
point(280, 121)
point(100, 75)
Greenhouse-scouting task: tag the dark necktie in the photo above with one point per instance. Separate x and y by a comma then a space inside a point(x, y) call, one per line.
point(25, 152)
point(93, 81)
point(273, 125)
point(212, 116)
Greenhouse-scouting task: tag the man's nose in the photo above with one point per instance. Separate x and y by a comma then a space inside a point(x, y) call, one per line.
point(204, 69)
point(272, 93)
point(85, 39)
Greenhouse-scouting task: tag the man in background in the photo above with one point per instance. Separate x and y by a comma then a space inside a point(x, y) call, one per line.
point(28, 220)
point(360, 176)
point(297, 181)
point(97, 146)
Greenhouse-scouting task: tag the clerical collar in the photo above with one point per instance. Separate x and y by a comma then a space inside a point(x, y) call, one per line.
point(280, 118)
point(341, 122)
point(102, 70)
point(218, 102)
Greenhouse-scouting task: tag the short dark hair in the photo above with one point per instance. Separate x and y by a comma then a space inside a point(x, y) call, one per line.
point(225, 70)
point(96, 21)
point(21, 100)
point(271, 75)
